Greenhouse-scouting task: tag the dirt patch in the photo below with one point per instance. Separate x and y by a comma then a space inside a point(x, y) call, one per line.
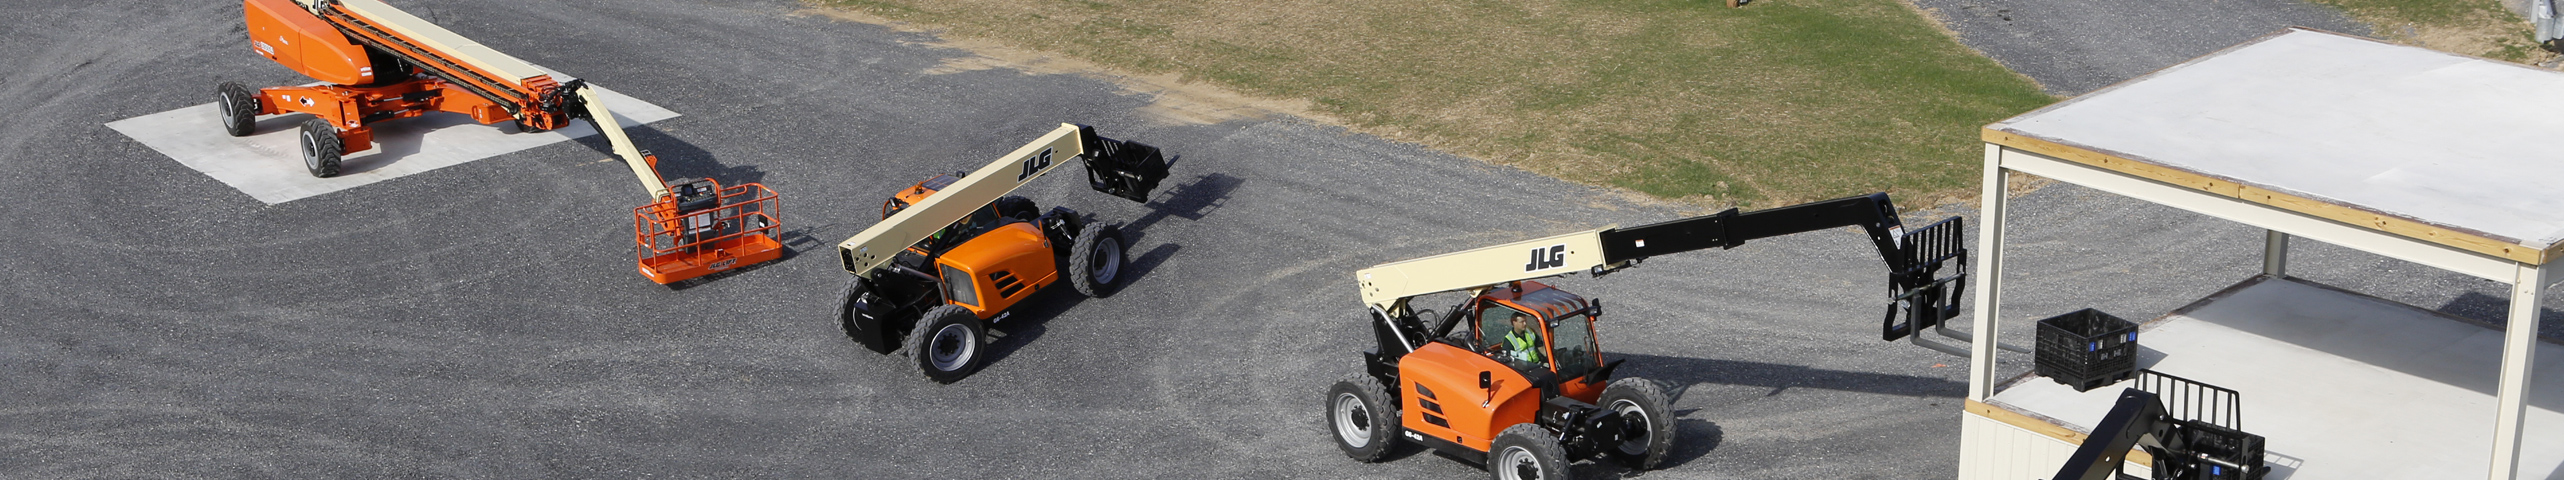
point(2482, 28)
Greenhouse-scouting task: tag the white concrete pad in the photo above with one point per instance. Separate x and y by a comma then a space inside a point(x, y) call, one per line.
point(268, 164)
point(2341, 385)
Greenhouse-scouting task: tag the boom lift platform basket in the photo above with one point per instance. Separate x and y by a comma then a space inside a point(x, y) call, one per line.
point(708, 229)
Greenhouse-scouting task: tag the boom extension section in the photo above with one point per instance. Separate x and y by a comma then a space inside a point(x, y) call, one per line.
point(1915, 259)
point(1119, 168)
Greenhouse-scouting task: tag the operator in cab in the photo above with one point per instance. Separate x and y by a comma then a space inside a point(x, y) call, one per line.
point(1523, 343)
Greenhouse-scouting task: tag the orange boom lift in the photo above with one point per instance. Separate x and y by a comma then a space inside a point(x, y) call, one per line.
point(378, 63)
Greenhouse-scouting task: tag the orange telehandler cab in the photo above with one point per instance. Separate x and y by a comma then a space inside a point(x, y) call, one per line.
point(952, 253)
point(1525, 389)
point(378, 63)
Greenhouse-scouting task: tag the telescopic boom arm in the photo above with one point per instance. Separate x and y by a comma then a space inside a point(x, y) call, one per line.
point(1913, 258)
point(1120, 168)
point(642, 166)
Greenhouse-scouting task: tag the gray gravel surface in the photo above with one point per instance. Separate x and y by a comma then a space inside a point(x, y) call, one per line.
point(2073, 47)
point(484, 320)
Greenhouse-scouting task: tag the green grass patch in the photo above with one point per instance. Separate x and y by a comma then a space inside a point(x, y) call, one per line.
point(1780, 101)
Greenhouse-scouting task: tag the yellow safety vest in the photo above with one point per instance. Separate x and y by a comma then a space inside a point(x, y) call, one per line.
point(1526, 345)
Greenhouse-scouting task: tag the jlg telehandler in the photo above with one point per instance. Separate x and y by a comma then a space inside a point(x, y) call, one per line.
point(952, 253)
point(378, 63)
point(1525, 390)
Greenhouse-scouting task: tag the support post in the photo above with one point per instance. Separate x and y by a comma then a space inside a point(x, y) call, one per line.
point(1989, 275)
point(2519, 349)
point(2274, 253)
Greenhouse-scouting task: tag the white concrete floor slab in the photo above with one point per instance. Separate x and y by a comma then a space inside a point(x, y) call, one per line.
point(267, 164)
point(2341, 385)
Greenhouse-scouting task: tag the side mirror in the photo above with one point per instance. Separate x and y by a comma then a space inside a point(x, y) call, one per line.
point(1486, 381)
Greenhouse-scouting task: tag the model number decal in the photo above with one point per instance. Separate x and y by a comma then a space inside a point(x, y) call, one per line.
point(1549, 257)
point(1034, 164)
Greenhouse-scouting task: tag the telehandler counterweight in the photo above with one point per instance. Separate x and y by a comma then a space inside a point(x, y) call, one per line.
point(952, 253)
point(1525, 390)
point(379, 63)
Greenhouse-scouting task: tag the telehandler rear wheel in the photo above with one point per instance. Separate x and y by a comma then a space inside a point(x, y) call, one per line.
point(238, 106)
point(321, 148)
point(1642, 407)
point(946, 343)
point(1365, 423)
point(1095, 261)
point(1525, 452)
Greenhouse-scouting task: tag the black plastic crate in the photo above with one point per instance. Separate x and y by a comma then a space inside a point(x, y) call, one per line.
point(2086, 349)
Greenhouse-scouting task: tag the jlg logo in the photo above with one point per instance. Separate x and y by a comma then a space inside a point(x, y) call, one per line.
point(1553, 256)
point(1035, 164)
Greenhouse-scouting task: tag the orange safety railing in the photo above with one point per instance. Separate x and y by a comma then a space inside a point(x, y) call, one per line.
point(674, 245)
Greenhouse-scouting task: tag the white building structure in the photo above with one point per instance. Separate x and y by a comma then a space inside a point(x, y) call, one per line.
point(2432, 158)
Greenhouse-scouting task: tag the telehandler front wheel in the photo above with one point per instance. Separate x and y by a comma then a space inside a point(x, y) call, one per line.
point(1649, 432)
point(1365, 423)
point(1017, 207)
point(1525, 452)
point(946, 343)
point(321, 148)
point(1095, 260)
point(238, 106)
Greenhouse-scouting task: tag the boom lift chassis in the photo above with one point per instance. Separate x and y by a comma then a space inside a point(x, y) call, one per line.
point(378, 63)
point(1529, 419)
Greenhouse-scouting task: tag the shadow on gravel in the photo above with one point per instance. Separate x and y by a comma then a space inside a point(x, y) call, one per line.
point(1191, 200)
point(1693, 438)
point(1027, 321)
point(677, 158)
point(1681, 372)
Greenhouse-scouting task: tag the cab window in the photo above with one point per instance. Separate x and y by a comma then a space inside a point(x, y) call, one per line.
point(1493, 323)
point(1498, 337)
point(1573, 344)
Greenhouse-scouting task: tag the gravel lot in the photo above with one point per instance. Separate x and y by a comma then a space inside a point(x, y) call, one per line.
point(484, 320)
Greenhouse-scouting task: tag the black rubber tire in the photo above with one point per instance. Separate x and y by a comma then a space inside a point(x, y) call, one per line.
point(1643, 449)
point(1525, 452)
point(321, 148)
point(1359, 410)
point(238, 107)
point(1095, 262)
point(1018, 207)
point(965, 340)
